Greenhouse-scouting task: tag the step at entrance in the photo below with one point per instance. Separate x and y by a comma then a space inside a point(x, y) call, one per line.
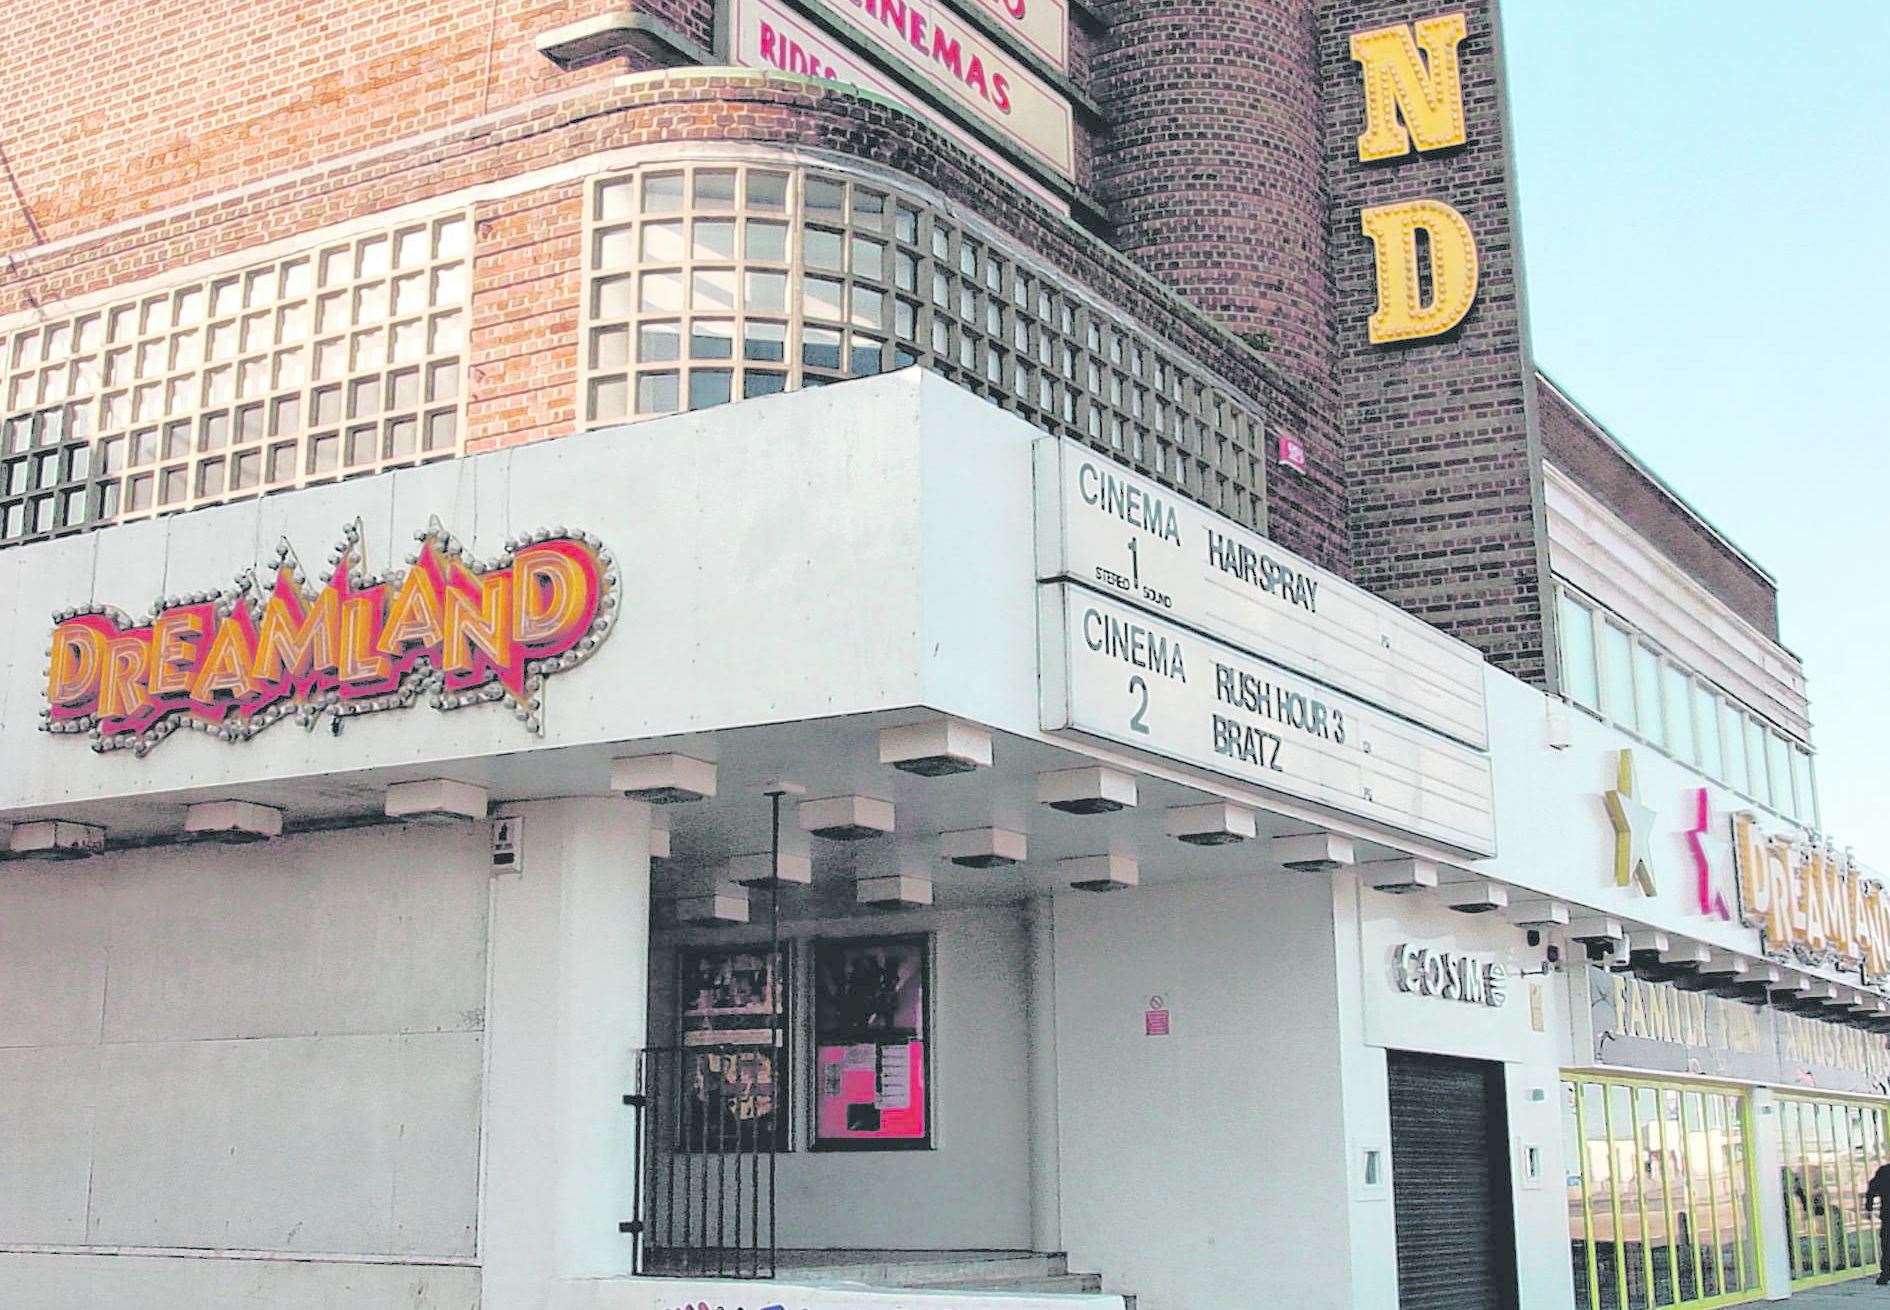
point(940, 1271)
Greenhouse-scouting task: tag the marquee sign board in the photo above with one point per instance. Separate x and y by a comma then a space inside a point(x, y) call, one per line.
point(232, 662)
point(1106, 527)
point(1122, 675)
point(928, 39)
point(772, 34)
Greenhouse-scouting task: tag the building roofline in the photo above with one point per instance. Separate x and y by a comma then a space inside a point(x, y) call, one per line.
point(1680, 502)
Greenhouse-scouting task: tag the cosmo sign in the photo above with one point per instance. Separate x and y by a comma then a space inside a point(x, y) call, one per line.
point(232, 662)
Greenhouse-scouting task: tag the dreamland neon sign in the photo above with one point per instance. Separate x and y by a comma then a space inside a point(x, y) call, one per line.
point(230, 663)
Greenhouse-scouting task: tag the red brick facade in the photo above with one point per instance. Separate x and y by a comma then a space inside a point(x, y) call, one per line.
point(1209, 166)
point(181, 99)
point(1209, 172)
point(1578, 446)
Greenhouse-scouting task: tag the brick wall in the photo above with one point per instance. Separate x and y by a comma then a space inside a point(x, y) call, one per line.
point(137, 108)
point(527, 282)
point(1210, 167)
point(1210, 174)
point(1579, 447)
point(1444, 500)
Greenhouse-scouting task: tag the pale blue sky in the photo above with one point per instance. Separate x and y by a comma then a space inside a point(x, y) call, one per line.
point(1706, 229)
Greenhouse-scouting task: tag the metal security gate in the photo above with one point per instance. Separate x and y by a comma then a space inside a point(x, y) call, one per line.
point(1450, 1184)
point(710, 1121)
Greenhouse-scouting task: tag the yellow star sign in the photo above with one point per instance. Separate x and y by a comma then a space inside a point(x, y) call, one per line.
point(1633, 824)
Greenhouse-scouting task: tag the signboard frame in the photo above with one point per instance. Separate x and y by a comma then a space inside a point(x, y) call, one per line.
point(839, 1038)
point(1048, 40)
point(1110, 528)
point(1058, 156)
point(736, 1042)
point(853, 61)
point(1213, 718)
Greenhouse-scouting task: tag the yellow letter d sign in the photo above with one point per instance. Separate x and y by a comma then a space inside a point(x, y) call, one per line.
point(1405, 312)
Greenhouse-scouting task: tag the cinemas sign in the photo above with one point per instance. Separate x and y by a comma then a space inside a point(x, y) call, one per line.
point(929, 41)
point(232, 662)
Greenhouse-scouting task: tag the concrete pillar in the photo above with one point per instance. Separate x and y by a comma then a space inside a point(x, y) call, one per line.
point(567, 1004)
point(1365, 1093)
point(1046, 1166)
point(1767, 1151)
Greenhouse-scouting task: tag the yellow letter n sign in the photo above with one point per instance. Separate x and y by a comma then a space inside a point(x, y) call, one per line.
point(1414, 100)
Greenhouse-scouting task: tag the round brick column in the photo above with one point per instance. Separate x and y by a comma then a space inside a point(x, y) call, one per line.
point(1212, 166)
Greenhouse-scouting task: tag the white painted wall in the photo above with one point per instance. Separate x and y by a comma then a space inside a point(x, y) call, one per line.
point(1525, 1034)
point(1204, 1168)
point(834, 551)
point(269, 1048)
point(42, 1281)
point(1553, 835)
point(1593, 548)
point(973, 1190)
point(750, 538)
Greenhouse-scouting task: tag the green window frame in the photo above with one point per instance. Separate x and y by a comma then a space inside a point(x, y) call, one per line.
point(1661, 1193)
point(1829, 1147)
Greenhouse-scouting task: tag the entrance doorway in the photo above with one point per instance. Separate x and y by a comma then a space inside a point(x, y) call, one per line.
point(1451, 1184)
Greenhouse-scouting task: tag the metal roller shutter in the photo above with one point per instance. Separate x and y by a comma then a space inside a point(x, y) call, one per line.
point(1450, 1184)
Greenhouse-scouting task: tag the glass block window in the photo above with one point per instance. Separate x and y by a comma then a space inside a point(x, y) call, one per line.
point(45, 456)
point(338, 361)
point(710, 282)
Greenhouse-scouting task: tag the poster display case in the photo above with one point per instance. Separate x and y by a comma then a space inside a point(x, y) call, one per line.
point(733, 1028)
point(872, 1067)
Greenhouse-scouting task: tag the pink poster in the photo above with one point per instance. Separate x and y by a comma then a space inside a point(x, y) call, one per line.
point(870, 1055)
point(879, 1097)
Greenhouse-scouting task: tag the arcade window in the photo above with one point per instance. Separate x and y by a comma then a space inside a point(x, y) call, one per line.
point(1829, 1150)
point(1660, 1194)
